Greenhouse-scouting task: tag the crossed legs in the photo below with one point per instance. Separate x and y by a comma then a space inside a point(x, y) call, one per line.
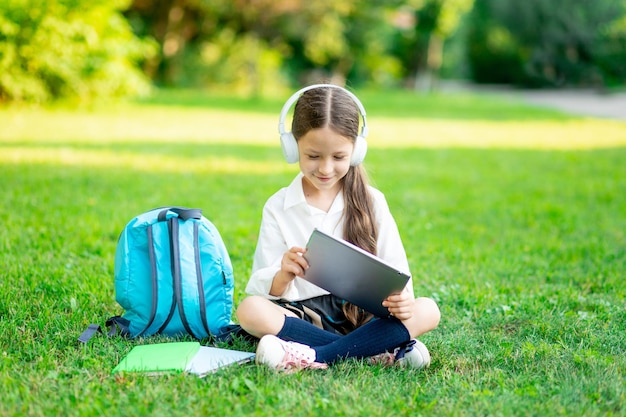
point(260, 316)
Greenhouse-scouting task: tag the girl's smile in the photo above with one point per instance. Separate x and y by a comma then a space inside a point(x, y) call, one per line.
point(324, 160)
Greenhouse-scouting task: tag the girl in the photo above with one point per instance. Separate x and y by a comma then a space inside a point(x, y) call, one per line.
point(299, 324)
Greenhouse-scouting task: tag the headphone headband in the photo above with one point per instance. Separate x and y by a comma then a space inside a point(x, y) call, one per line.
point(297, 94)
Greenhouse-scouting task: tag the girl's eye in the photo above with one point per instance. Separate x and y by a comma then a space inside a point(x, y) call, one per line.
point(340, 157)
point(313, 156)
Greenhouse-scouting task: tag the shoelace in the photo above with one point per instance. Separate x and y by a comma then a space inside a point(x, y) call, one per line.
point(295, 360)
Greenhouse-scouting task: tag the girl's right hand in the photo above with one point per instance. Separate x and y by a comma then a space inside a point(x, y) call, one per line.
point(293, 263)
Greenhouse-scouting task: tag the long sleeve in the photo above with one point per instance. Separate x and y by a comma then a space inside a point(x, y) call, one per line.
point(288, 221)
point(267, 256)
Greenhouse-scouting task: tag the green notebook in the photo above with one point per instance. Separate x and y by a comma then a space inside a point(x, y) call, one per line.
point(188, 357)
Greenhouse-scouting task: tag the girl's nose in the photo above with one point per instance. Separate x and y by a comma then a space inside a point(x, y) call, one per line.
point(326, 166)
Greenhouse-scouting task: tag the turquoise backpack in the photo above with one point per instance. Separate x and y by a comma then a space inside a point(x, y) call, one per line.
point(173, 276)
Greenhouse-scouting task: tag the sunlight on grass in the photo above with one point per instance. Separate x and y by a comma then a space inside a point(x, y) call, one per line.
point(136, 161)
point(136, 124)
point(190, 125)
point(571, 134)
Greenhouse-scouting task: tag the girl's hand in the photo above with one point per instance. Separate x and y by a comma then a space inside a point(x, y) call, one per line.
point(400, 305)
point(293, 263)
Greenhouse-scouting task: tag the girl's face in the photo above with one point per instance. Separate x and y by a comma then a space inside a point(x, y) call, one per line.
point(325, 158)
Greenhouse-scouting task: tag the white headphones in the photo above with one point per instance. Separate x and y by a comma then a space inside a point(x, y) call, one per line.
point(290, 145)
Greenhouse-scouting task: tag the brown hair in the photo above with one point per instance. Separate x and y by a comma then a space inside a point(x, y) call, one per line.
point(332, 107)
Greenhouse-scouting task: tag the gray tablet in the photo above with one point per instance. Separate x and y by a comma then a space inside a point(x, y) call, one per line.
point(351, 273)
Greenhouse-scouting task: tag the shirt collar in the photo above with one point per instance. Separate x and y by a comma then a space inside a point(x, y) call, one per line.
point(295, 193)
point(295, 196)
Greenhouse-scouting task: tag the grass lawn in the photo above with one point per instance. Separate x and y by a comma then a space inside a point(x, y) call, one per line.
point(514, 219)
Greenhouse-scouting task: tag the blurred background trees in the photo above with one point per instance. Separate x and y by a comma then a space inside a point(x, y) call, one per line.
point(95, 48)
point(77, 48)
point(548, 43)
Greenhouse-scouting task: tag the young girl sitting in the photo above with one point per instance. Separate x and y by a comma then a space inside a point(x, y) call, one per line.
point(299, 324)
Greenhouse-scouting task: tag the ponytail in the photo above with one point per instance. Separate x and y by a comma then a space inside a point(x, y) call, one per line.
point(359, 227)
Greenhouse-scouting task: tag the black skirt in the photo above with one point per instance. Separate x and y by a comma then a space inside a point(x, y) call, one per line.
point(325, 312)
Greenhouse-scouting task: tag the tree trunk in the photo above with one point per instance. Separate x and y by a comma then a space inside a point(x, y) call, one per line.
point(173, 40)
point(428, 80)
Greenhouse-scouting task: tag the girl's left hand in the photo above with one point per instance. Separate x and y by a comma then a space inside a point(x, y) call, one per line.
point(400, 305)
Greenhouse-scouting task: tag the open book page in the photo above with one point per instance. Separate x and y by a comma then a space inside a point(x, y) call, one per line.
point(209, 359)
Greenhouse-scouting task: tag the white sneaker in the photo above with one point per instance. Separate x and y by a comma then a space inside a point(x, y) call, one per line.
point(415, 356)
point(285, 356)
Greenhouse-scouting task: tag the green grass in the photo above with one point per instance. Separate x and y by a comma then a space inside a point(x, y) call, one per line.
point(515, 226)
point(392, 104)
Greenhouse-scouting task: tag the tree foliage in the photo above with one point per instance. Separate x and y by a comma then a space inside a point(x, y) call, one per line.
point(561, 42)
point(251, 44)
point(433, 23)
point(85, 49)
point(68, 48)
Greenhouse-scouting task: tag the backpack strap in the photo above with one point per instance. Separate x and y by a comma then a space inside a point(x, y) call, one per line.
point(116, 323)
point(154, 280)
point(201, 299)
point(89, 332)
point(229, 333)
point(176, 274)
point(183, 213)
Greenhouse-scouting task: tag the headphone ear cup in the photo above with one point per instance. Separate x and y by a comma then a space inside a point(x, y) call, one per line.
point(290, 147)
point(360, 149)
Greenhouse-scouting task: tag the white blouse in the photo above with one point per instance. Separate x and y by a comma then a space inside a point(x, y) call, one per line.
point(289, 221)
